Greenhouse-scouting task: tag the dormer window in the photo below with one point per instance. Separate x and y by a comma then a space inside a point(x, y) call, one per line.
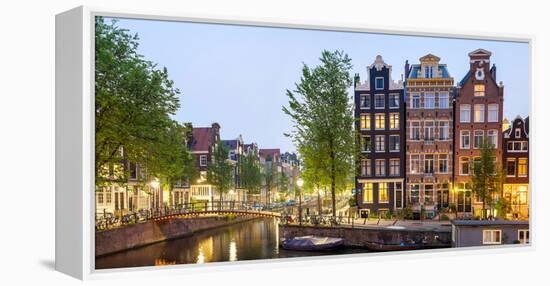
point(429, 72)
point(379, 83)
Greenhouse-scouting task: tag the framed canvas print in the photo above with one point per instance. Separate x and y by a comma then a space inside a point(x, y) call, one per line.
point(184, 141)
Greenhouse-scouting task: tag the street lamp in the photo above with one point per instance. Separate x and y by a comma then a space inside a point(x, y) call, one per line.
point(300, 183)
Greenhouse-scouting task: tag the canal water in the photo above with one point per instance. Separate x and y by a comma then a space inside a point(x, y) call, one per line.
point(256, 239)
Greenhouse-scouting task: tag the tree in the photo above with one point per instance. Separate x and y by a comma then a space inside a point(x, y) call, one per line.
point(485, 180)
point(134, 102)
point(322, 113)
point(170, 161)
point(270, 175)
point(251, 174)
point(220, 172)
point(283, 183)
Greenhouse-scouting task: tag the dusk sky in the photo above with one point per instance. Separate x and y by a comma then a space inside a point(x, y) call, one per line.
point(237, 75)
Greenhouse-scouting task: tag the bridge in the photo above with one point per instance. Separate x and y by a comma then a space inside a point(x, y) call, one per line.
point(122, 218)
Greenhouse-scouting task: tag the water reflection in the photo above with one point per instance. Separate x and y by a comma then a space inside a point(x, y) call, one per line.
point(257, 239)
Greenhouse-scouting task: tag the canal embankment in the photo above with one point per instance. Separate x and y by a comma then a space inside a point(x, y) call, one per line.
point(153, 231)
point(376, 238)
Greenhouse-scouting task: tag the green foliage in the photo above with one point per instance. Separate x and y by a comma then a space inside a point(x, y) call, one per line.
point(270, 175)
point(486, 179)
point(220, 170)
point(322, 116)
point(134, 102)
point(251, 173)
point(444, 217)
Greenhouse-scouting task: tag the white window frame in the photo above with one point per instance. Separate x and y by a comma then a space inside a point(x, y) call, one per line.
point(482, 136)
point(371, 193)
point(367, 100)
point(447, 130)
point(376, 121)
point(391, 119)
point(525, 240)
point(412, 122)
point(443, 97)
point(390, 100)
point(417, 96)
point(418, 163)
point(464, 108)
point(517, 133)
point(398, 143)
point(494, 136)
point(201, 163)
point(462, 146)
point(395, 190)
point(432, 133)
point(489, 237)
point(398, 173)
point(446, 160)
point(480, 112)
point(383, 144)
point(387, 200)
point(376, 81)
point(383, 170)
point(383, 101)
point(368, 121)
point(430, 96)
point(460, 170)
point(494, 113)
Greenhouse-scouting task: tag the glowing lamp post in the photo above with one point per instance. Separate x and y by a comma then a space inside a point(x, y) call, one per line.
point(300, 183)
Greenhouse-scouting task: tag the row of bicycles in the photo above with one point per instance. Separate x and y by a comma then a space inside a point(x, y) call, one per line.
point(313, 219)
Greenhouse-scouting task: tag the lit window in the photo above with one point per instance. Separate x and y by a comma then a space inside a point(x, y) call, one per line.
point(492, 111)
point(465, 111)
point(380, 121)
point(379, 83)
point(383, 193)
point(394, 120)
point(429, 101)
point(522, 167)
point(479, 113)
point(491, 236)
point(465, 139)
point(367, 193)
point(479, 90)
point(364, 121)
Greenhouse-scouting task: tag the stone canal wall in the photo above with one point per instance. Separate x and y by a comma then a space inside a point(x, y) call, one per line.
point(374, 238)
point(141, 234)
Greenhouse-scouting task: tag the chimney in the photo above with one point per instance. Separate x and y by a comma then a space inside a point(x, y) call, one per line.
point(407, 69)
point(493, 72)
point(356, 80)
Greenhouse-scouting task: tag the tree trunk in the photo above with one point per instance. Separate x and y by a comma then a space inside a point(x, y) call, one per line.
point(333, 178)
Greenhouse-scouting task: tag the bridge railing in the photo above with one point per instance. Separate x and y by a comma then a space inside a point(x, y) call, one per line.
point(107, 220)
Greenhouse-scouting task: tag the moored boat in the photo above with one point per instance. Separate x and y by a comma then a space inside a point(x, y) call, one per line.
point(312, 243)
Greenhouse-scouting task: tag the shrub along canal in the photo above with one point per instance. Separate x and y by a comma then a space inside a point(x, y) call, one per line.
point(254, 239)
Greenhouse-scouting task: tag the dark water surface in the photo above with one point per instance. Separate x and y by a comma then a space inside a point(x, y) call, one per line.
point(257, 239)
